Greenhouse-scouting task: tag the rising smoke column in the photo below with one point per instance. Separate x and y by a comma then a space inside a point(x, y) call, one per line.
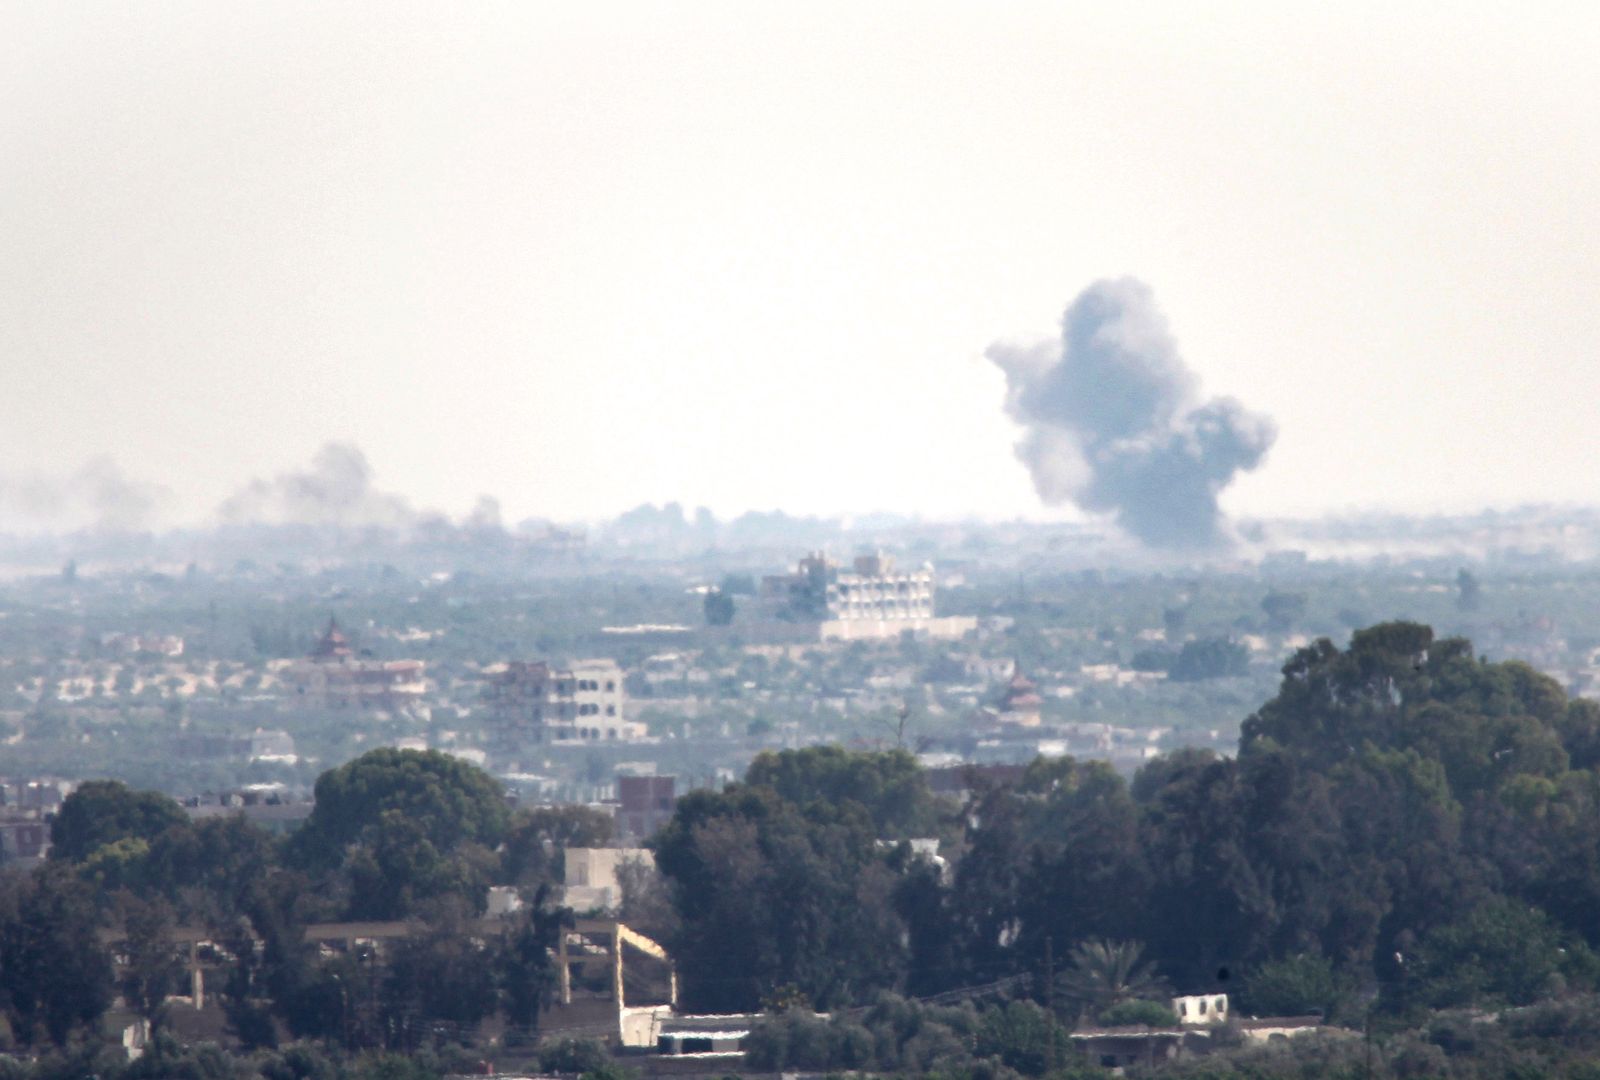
point(99, 496)
point(1113, 421)
point(336, 489)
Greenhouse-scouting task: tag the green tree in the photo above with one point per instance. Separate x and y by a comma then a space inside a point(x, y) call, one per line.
point(100, 812)
point(1500, 953)
point(1023, 1036)
point(218, 867)
point(442, 977)
point(395, 866)
point(1101, 974)
point(1294, 986)
point(55, 973)
point(447, 800)
point(1141, 1012)
point(524, 963)
point(768, 895)
point(152, 970)
point(538, 839)
point(1209, 658)
point(889, 787)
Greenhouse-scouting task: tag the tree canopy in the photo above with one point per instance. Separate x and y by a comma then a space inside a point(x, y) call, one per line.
point(446, 800)
point(101, 812)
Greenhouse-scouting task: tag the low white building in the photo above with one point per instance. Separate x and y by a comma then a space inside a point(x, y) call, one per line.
point(593, 878)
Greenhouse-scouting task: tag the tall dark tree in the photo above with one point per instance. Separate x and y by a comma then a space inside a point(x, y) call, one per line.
point(537, 839)
point(100, 812)
point(152, 970)
point(55, 973)
point(889, 787)
point(524, 961)
point(771, 896)
point(450, 801)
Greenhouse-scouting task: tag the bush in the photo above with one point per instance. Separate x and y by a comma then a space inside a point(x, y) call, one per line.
point(1023, 1036)
point(573, 1056)
point(1294, 986)
point(1143, 1013)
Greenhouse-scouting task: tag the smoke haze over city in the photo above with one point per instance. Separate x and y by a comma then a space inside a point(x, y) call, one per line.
point(755, 262)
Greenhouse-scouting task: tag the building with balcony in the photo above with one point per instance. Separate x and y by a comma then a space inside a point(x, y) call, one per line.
point(532, 702)
point(870, 599)
point(333, 675)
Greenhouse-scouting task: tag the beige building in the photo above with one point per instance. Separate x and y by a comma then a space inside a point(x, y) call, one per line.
point(333, 675)
point(532, 702)
point(593, 880)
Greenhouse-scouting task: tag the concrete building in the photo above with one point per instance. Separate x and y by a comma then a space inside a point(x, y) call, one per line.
point(593, 879)
point(332, 675)
point(644, 804)
point(869, 600)
point(531, 702)
point(24, 842)
point(1201, 1008)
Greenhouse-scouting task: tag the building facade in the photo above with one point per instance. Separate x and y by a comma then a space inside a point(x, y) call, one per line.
point(870, 599)
point(644, 804)
point(531, 702)
point(332, 675)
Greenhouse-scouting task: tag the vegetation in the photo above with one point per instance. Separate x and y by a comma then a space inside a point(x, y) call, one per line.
point(1408, 840)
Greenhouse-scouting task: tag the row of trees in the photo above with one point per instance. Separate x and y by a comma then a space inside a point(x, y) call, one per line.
point(394, 835)
point(1404, 822)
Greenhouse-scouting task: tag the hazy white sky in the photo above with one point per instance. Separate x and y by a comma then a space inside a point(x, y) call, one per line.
point(750, 255)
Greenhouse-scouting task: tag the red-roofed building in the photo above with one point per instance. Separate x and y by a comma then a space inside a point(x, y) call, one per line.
point(334, 676)
point(1021, 703)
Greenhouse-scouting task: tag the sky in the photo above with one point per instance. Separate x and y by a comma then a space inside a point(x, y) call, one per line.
point(753, 256)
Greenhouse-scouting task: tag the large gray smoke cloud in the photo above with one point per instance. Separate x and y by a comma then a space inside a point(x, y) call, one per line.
point(1114, 423)
point(336, 490)
point(98, 496)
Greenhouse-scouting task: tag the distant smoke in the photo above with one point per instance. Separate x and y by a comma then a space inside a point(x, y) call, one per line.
point(336, 490)
point(98, 496)
point(1114, 423)
point(485, 516)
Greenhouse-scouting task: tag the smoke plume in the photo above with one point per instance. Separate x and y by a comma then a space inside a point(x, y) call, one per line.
point(98, 496)
point(1114, 424)
point(336, 489)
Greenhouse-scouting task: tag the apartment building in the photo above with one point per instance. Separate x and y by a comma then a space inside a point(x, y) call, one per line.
point(530, 702)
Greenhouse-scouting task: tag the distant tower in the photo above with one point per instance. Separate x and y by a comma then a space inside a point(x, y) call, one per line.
point(1021, 703)
point(333, 647)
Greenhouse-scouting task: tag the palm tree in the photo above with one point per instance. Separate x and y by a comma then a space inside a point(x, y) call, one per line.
point(1105, 973)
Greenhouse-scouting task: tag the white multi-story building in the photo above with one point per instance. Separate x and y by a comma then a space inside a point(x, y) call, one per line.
point(870, 600)
point(533, 702)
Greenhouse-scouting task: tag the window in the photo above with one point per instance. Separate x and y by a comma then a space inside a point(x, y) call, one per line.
point(610, 685)
point(611, 710)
